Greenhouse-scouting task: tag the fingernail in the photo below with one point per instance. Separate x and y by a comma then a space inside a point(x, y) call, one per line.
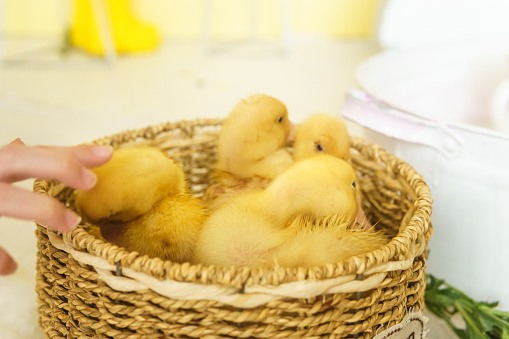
point(102, 151)
point(89, 178)
point(13, 267)
point(72, 220)
point(7, 264)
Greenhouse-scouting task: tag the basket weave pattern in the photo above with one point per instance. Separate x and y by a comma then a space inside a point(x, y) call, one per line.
point(89, 288)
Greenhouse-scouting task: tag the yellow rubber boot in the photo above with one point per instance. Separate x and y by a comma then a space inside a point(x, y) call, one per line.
point(129, 34)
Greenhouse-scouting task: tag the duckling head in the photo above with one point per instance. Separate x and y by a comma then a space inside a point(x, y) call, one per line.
point(318, 186)
point(257, 127)
point(321, 134)
point(130, 184)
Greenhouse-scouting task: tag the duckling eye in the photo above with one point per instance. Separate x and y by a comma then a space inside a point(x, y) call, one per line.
point(354, 184)
point(280, 119)
point(319, 148)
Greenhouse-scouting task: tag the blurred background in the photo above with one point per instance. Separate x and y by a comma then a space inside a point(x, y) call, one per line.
point(183, 20)
point(181, 59)
point(72, 71)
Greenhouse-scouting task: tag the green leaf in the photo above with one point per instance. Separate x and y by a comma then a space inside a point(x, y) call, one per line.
point(433, 283)
point(482, 320)
point(487, 304)
point(505, 333)
point(502, 314)
point(489, 320)
point(442, 299)
point(473, 328)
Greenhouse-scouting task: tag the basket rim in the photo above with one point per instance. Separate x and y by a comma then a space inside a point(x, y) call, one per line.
point(417, 229)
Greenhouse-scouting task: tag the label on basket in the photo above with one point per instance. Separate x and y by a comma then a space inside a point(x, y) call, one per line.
point(411, 327)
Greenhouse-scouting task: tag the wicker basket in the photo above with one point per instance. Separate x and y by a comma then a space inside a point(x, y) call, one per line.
point(89, 288)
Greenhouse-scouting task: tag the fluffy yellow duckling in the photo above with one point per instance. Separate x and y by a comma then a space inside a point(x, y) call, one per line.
point(321, 133)
point(253, 138)
point(141, 203)
point(252, 228)
point(325, 134)
point(251, 148)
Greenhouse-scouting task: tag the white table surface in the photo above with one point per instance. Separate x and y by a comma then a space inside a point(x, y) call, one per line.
point(47, 100)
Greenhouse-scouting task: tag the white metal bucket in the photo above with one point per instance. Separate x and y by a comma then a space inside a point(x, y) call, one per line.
point(431, 107)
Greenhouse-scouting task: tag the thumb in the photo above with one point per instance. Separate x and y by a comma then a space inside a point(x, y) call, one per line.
point(7, 264)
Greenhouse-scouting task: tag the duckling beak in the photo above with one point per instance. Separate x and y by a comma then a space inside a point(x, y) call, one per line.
point(362, 220)
point(291, 135)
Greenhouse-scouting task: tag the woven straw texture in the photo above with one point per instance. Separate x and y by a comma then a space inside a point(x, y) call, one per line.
point(88, 288)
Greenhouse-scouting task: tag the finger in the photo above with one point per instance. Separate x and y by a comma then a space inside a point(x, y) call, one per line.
point(88, 155)
point(19, 203)
point(21, 162)
point(7, 264)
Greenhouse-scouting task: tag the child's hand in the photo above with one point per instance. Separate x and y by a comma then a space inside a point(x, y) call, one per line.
point(66, 164)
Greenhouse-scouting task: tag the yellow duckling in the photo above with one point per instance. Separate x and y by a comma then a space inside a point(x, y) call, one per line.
point(321, 133)
point(141, 203)
point(253, 138)
point(254, 228)
point(251, 148)
point(325, 134)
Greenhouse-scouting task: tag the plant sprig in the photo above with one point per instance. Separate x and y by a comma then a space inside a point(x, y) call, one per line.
point(482, 320)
